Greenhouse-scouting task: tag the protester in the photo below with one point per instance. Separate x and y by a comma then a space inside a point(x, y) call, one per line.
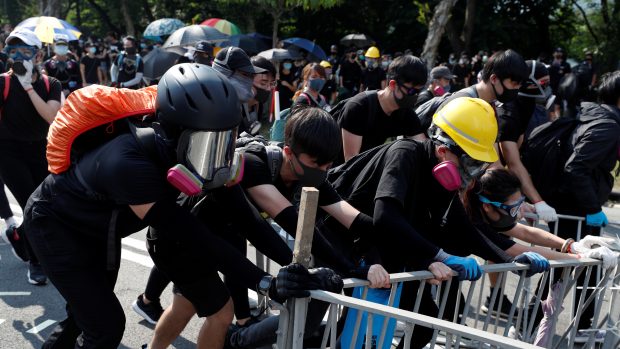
point(558, 69)
point(330, 89)
point(29, 108)
point(350, 75)
point(63, 67)
point(369, 118)
point(203, 52)
point(313, 81)
point(89, 66)
point(373, 76)
point(441, 78)
point(127, 69)
point(462, 72)
point(286, 84)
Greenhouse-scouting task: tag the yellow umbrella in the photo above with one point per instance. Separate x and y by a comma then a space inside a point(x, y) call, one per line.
point(46, 28)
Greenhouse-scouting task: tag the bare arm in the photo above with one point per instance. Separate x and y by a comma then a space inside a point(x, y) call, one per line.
point(269, 199)
point(141, 210)
point(83, 73)
point(343, 212)
point(351, 144)
point(510, 151)
point(535, 236)
point(518, 249)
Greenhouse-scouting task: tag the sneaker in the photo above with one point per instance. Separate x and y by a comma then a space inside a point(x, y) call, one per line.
point(11, 236)
point(36, 275)
point(504, 312)
point(582, 336)
point(150, 312)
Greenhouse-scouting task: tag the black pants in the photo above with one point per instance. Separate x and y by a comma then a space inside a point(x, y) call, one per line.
point(76, 264)
point(24, 167)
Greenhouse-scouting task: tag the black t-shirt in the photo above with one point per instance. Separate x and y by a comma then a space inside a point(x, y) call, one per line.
point(376, 127)
point(372, 78)
point(3, 59)
point(424, 97)
point(329, 88)
point(513, 118)
point(351, 74)
point(131, 64)
point(556, 73)
point(129, 177)
point(402, 171)
point(90, 69)
point(462, 73)
point(20, 120)
point(67, 72)
point(257, 172)
point(286, 95)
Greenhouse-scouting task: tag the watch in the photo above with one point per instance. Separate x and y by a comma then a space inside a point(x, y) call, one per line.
point(264, 285)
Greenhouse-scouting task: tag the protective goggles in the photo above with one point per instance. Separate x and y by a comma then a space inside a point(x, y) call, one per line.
point(209, 151)
point(409, 91)
point(472, 167)
point(531, 84)
point(20, 52)
point(512, 209)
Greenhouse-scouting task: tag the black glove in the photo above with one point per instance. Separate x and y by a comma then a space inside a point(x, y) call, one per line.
point(295, 280)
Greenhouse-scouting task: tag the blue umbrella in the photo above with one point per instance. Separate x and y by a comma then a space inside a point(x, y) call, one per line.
point(162, 27)
point(313, 49)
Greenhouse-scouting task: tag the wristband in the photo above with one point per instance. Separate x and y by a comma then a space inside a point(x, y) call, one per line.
point(566, 245)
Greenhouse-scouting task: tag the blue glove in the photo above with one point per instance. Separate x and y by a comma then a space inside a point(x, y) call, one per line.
point(598, 219)
point(537, 263)
point(467, 267)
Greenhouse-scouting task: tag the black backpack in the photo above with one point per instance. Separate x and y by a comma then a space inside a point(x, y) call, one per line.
point(258, 144)
point(545, 154)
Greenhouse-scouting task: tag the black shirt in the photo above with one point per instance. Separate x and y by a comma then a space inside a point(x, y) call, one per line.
point(67, 72)
point(286, 95)
point(375, 127)
point(462, 73)
point(351, 74)
point(424, 97)
point(556, 73)
point(513, 118)
point(90, 69)
point(372, 78)
point(402, 171)
point(20, 120)
point(131, 64)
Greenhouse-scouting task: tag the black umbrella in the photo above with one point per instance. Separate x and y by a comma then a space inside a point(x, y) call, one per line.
point(190, 35)
point(157, 62)
point(356, 40)
point(247, 43)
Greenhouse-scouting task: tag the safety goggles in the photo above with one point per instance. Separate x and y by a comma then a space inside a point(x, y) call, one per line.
point(209, 151)
point(409, 91)
point(472, 167)
point(512, 209)
point(20, 52)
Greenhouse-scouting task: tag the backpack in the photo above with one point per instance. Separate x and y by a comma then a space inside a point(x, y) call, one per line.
point(7, 87)
point(257, 144)
point(92, 116)
point(276, 133)
point(545, 153)
point(121, 58)
point(427, 110)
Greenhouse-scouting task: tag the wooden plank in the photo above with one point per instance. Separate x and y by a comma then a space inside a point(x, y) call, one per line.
point(305, 226)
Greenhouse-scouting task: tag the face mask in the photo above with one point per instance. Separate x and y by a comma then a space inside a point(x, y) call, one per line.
point(316, 84)
point(262, 95)
point(446, 88)
point(485, 59)
point(385, 65)
point(505, 222)
point(92, 50)
point(287, 66)
point(202, 60)
point(508, 95)
point(447, 174)
point(143, 46)
point(406, 101)
point(371, 63)
point(243, 86)
point(312, 177)
point(130, 50)
point(328, 72)
point(19, 68)
point(190, 184)
point(61, 50)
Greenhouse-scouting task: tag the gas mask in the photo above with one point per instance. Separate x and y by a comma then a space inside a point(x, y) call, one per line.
point(208, 161)
point(19, 57)
point(539, 90)
point(241, 83)
point(61, 50)
point(451, 176)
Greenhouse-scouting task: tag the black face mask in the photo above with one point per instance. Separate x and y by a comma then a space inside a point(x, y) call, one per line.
point(505, 222)
point(262, 95)
point(202, 60)
point(508, 95)
point(406, 101)
point(312, 177)
point(130, 50)
point(18, 68)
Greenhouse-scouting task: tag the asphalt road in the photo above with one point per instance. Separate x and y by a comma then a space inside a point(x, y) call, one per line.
point(29, 313)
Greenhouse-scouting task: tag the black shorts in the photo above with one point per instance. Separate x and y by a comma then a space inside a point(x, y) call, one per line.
point(194, 278)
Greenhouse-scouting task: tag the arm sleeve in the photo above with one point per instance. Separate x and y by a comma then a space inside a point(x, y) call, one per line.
point(595, 146)
point(321, 247)
point(168, 218)
point(135, 81)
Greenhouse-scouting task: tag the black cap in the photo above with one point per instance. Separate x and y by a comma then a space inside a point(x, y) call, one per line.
point(559, 49)
point(234, 58)
point(203, 46)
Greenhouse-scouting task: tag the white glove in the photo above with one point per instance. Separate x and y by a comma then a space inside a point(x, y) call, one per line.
point(545, 212)
point(609, 258)
point(26, 79)
point(590, 241)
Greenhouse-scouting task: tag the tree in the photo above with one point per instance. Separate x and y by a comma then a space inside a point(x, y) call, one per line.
point(436, 30)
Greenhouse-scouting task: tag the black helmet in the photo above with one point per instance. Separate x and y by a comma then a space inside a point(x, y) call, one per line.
point(195, 96)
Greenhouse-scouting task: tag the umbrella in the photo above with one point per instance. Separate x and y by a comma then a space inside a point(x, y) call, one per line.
point(249, 44)
point(550, 306)
point(222, 25)
point(357, 40)
point(190, 35)
point(157, 62)
point(162, 27)
point(313, 49)
point(47, 27)
point(279, 54)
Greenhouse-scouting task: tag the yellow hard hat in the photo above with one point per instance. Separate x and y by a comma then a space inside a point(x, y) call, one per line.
point(325, 64)
point(471, 124)
point(372, 52)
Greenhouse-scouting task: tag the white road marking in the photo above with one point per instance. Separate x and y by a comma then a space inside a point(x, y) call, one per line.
point(40, 327)
point(18, 293)
point(137, 258)
point(1, 321)
point(135, 243)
